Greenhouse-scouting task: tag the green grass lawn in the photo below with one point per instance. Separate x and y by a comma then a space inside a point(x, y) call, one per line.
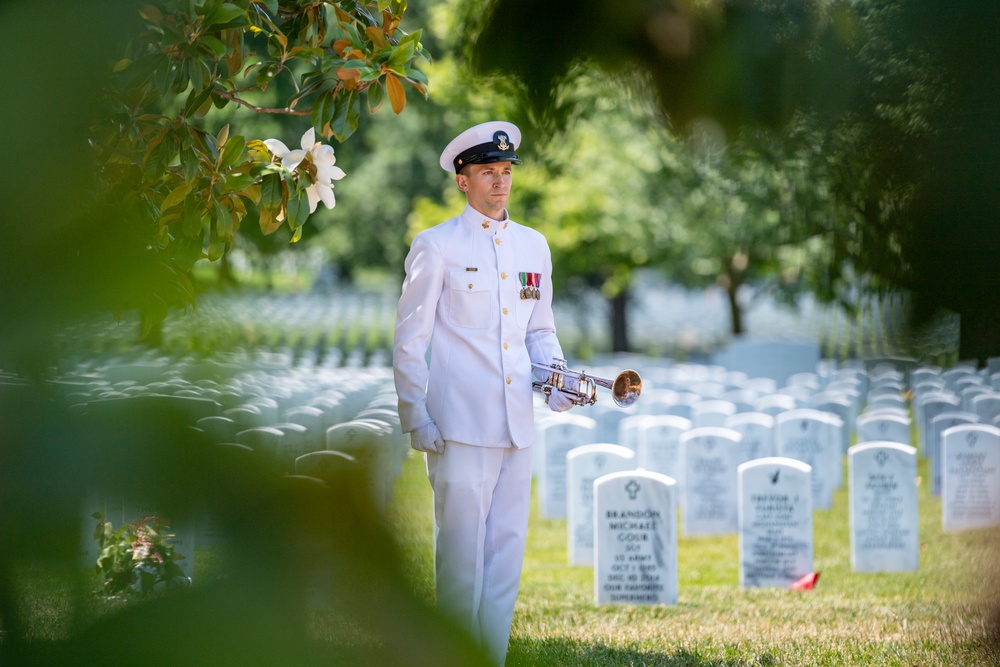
point(943, 614)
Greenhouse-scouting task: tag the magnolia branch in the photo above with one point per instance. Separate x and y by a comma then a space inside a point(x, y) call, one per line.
point(238, 100)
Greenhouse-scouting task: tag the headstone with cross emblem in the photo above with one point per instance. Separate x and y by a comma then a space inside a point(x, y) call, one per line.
point(557, 436)
point(583, 466)
point(883, 428)
point(970, 482)
point(709, 458)
point(883, 507)
point(775, 522)
point(635, 527)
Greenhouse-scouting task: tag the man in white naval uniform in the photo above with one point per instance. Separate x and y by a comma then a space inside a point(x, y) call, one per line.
point(478, 291)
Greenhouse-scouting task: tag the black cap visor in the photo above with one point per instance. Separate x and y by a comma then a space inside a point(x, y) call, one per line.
point(484, 154)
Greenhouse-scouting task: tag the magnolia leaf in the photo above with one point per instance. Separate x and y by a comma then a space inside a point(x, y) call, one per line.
point(176, 196)
point(189, 163)
point(215, 44)
point(216, 249)
point(376, 95)
point(297, 235)
point(252, 193)
point(234, 57)
point(258, 151)
point(232, 153)
point(234, 182)
point(402, 54)
point(224, 13)
point(195, 99)
point(237, 214)
point(192, 224)
point(271, 191)
point(397, 96)
point(268, 221)
point(223, 221)
point(298, 208)
point(151, 14)
point(345, 74)
point(319, 107)
point(376, 35)
point(342, 15)
point(416, 75)
point(220, 138)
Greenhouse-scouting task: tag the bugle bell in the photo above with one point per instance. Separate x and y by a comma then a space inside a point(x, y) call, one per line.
point(582, 388)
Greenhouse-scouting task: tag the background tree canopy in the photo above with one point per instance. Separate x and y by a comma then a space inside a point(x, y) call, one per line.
point(898, 93)
point(783, 146)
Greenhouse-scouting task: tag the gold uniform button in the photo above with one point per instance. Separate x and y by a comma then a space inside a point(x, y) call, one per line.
point(470, 285)
point(504, 311)
point(508, 380)
point(505, 346)
point(498, 241)
point(503, 276)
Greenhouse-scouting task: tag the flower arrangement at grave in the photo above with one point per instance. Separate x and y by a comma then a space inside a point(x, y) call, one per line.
point(137, 556)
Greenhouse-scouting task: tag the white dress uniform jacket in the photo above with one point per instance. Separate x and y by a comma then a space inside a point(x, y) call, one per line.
point(462, 295)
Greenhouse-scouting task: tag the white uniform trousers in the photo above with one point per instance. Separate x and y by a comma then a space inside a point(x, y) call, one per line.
point(481, 501)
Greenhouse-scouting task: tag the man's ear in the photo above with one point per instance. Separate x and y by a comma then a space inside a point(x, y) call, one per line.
point(463, 183)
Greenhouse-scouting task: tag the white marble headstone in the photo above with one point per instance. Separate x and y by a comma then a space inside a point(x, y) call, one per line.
point(931, 406)
point(584, 465)
point(628, 431)
point(560, 434)
point(659, 445)
point(775, 522)
point(709, 458)
point(757, 430)
point(883, 428)
point(813, 437)
point(711, 412)
point(939, 425)
point(883, 507)
point(635, 524)
point(970, 482)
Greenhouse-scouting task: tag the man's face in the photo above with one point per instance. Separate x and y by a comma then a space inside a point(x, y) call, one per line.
point(487, 187)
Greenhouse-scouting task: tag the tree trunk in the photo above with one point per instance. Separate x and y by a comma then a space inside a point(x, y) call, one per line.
point(619, 323)
point(735, 310)
point(226, 276)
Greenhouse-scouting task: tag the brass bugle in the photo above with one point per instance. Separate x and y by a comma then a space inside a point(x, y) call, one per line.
point(582, 388)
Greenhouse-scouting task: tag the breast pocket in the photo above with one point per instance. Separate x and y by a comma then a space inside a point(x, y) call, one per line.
point(523, 309)
point(471, 300)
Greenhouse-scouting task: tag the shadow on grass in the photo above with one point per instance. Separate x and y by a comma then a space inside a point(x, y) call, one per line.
point(567, 653)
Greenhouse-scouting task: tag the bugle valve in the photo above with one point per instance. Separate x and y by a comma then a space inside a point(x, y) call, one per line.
point(582, 388)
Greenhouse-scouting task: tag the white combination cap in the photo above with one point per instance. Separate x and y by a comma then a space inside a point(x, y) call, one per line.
point(495, 141)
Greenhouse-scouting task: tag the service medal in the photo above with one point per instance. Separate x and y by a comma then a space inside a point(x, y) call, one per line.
point(529, 285)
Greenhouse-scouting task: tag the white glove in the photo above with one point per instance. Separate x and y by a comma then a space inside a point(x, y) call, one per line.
point(427, 438)
point(559, 402)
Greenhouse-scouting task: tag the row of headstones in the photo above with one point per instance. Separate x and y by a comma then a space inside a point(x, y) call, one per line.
point(323, 439)
point(702, 460)
point(631, 537)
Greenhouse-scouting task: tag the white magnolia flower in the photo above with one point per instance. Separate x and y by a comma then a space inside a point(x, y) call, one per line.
point(321, 166)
